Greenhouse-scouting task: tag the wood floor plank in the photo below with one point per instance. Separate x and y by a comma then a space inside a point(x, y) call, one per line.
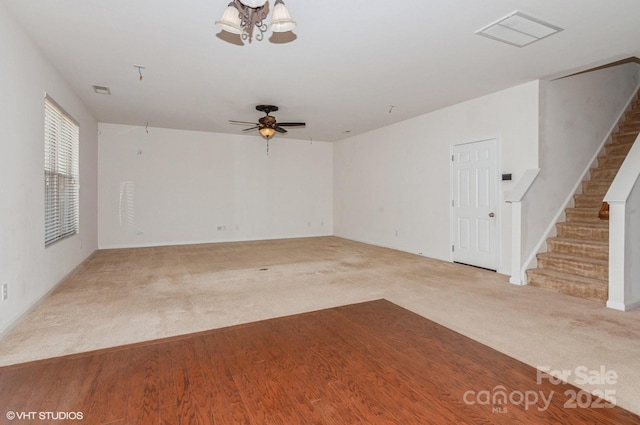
point(133, 410)
point(167, 399)
point(310, 373)
point(227, 404)
point(373, 383)
point(193, 395)
point(369, 363)
point(264, 384)
point(107, 397)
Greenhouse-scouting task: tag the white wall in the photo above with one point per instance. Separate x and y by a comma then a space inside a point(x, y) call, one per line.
point(177, 187)
point(396, 179)
point(576, 116)
point(30, 269)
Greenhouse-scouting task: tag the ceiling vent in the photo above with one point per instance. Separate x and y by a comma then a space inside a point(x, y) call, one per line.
point(518, 29)
point(101, 90)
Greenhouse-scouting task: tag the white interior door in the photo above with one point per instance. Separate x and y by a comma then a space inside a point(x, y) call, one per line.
point(474, 177)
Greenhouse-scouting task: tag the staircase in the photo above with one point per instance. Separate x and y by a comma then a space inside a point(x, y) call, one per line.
point(577, 260)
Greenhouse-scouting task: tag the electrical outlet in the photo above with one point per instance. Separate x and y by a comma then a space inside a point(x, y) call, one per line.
point(5, 291)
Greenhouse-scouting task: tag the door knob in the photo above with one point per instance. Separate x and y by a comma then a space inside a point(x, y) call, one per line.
point(492, 215)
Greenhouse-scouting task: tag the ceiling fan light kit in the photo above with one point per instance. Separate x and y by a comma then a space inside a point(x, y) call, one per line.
point(267, 132)
point(242, 16)
point(267, 126)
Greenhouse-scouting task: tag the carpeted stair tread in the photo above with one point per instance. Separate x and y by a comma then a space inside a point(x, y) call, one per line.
point(601, 224)
point(583, 287)
point(573, 265)
point(630, 126)
point(595, 187)
point(596, 250)
point(632, 115)
point(603, 173)
point(610, 161)
point(590, 231)
point(624, 137)
point(626, 133)
point(621, 148)
point(582, 215)
point(587, 201)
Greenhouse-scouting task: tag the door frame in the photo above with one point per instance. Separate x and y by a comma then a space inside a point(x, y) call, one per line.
point(497, 192)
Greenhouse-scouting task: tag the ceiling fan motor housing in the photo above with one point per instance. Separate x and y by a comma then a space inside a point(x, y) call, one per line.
point(267, 109)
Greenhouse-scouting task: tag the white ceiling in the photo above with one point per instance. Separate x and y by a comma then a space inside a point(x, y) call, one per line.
point(350, 62)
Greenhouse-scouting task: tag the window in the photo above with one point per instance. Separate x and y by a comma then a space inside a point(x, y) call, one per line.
point(61, 176)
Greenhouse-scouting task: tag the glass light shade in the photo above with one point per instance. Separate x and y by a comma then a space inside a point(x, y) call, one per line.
point(253, 3)
point(230, 20)
point(267, 132)
point(281, 20)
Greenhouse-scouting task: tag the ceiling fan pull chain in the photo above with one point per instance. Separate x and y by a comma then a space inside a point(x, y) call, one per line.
point(267, 147)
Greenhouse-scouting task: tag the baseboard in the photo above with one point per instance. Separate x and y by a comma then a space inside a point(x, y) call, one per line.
point(622, 306)
point(517, 281)
point(207, 241)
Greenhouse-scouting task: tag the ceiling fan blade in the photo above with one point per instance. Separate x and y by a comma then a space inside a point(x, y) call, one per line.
point(279, 129)
point(292, 124)
point(250, 129)
point(242, 122)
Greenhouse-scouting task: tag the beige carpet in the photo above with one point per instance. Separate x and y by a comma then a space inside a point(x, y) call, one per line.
point(125, 296)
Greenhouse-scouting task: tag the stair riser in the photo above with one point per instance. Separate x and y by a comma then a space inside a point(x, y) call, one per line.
point(603, 173)
point(569, 288)
point(587, 201)
point(610, 161)
point(579, 250)
point(599, 234)
point(617, 149)
point(578, 216)
point(595, 187)
point(593, 271)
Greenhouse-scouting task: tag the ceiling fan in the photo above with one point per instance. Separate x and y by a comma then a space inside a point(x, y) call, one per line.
point(267, 126)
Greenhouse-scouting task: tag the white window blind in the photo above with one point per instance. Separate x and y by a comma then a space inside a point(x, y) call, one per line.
point(61, 176)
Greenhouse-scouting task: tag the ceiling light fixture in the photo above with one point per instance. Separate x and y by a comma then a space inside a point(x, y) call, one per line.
point(267, 132)
point(241, 16)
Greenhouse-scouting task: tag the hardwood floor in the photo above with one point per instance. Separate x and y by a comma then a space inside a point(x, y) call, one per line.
point(368, 363)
